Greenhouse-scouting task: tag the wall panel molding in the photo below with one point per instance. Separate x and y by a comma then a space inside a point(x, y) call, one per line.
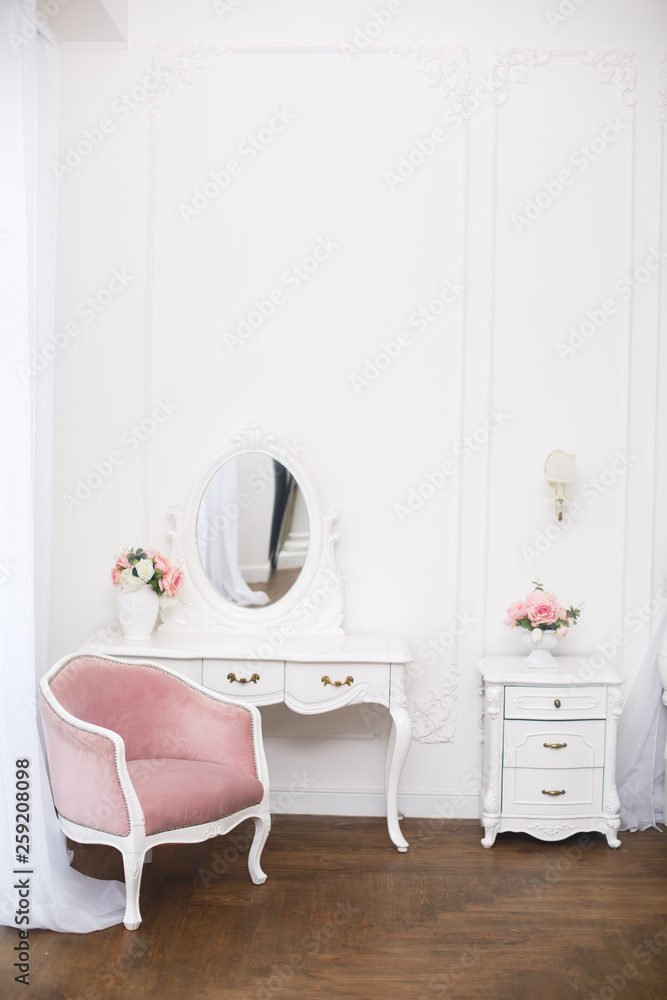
point(514, 66)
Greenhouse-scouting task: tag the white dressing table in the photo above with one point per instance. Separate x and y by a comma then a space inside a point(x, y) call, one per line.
point(357, 669)
point(291, 650)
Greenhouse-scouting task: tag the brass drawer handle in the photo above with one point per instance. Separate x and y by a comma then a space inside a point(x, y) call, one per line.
point(554, 746)
point(243, 680)
point(557, 702)
point(545, 792)
point(327, 680)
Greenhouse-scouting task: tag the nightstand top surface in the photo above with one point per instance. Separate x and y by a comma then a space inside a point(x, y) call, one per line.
point(568, 669)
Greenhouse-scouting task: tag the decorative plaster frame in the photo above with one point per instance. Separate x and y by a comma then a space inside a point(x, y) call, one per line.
point(313, 605)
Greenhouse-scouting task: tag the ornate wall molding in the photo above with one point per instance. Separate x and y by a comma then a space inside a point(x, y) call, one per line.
point(510, 66)
point(446, 68)
point(173, 64)
point(434, 718)
point(614, 65)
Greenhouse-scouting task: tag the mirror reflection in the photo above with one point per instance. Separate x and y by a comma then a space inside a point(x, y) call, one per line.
point(252, 530)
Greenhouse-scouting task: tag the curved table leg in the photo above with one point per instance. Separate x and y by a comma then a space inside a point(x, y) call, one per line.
point(399, 744)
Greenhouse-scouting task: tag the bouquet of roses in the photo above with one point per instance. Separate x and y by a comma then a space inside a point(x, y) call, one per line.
point(542, 611)
point(136, 568)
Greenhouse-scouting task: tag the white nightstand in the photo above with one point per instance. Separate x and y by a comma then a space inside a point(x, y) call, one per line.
point(549, 749)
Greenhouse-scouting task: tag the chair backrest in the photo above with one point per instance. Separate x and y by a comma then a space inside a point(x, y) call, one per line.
point(155, 713)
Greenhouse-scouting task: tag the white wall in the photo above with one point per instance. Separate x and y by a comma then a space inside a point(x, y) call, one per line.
point(471, 547)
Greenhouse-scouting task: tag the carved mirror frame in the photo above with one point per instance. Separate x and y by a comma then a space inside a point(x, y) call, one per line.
point(314, 603)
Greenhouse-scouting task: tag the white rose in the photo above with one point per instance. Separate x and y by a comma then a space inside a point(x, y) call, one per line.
point(145, 569)
point(130, 582)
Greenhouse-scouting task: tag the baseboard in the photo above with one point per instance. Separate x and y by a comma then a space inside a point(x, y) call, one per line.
point(371, 803)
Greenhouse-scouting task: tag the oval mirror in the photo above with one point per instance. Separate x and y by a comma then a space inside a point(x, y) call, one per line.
point(252, 530)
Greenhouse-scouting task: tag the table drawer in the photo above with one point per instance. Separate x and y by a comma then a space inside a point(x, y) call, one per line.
point(556, 702)
point(347, 683)
point(524, 791)
point(568, 744)
point(260, 682)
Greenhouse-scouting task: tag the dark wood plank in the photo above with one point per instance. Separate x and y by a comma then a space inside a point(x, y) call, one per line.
point(344, 915)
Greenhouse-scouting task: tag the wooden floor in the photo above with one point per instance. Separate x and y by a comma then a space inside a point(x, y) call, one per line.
point(344, 915)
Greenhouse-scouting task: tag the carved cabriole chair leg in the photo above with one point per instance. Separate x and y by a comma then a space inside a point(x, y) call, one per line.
point(262, 828)
point(133, 865)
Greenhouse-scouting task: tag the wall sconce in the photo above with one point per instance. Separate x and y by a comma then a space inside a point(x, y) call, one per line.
point(560, 469)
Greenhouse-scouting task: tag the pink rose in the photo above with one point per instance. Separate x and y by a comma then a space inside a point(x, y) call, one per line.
point(562, 630)
point(115, 577)
point(172, 581)
point(122, 562)
point(516, 611)
point(543, 608)
point(161, 563)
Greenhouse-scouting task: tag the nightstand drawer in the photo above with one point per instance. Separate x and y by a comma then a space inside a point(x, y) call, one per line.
point(318, 686)
point(554, 744)
point(555, 702)
point(260, 682)
point(577, 791)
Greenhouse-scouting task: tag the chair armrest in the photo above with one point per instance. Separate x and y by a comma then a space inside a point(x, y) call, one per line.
point(89, 778)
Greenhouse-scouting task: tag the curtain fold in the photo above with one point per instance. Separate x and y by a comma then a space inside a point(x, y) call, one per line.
point(642, 730)
point(219, 547)
point(38, 888)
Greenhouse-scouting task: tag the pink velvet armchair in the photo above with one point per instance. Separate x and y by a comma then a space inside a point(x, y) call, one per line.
point(140, 756)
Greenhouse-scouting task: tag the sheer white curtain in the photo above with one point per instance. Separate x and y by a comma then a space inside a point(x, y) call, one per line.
point(219, 546)
point(642, 730)
point(60, 898)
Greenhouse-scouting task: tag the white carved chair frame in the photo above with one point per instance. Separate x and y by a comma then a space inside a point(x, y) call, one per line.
point(137, 844)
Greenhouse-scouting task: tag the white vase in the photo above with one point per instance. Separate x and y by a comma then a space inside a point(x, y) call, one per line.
point(137, 611)
point(540, 655)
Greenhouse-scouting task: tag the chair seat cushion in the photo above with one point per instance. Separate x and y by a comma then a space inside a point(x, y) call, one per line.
point(180, 793)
